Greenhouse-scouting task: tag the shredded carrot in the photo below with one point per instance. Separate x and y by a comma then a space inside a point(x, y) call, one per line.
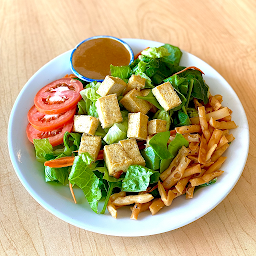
point(72, 192)
point(187, 69)
point(152, 189)
point(70, 76)
point(60, 162)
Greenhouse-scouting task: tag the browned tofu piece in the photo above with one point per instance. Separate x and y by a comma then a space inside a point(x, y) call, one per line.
point(133, 104)
point(85, 124)
point(108, 110)
point(137, 126)
point(135, 82)
point(156, 126)
point(166, 96)
point(111, 85)
point(116, 158)
point(131, 148)
point(90, 144)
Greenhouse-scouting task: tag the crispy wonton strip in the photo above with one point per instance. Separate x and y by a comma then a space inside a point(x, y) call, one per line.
point(215, 138)
point(182, 152)
point(219, 114)
point(180, 186)
point(210, 152)
point(156, 206)
point(177, 174)
point(126, 200)
point(202, 151)
point(188, 129)
point(216, 166)
point(219, 152)
point(166, 197)
point(213, 101)
point(192, 170)
point(222, 125)
point(203, 123)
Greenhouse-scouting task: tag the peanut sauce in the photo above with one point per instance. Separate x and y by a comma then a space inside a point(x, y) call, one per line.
point(92, 58)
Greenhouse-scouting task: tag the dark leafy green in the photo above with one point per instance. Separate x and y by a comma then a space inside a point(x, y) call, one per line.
point(159, 144)
point(71, 142)
point(151, 158)
point(152, 99)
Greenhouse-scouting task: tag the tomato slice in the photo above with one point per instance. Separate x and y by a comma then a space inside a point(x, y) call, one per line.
point(55, 136)
point(44, 122)
point(58, 96)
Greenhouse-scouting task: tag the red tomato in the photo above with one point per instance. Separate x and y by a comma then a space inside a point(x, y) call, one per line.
point(55, 136)
point(58, 96)
point(44, 122)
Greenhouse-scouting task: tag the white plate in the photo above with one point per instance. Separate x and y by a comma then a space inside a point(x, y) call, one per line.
point(57, 198)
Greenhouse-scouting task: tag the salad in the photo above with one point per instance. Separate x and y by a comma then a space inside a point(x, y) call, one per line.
point(150, 132)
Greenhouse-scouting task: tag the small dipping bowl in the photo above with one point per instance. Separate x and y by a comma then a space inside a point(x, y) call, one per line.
point(91, 59)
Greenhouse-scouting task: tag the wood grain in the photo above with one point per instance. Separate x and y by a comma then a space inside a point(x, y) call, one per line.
point(221, 32)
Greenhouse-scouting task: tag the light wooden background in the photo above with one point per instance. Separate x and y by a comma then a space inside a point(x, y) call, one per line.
point(222, 33)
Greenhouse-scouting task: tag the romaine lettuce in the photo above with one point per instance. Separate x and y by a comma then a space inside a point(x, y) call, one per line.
point(137, 178)
point(82, 175)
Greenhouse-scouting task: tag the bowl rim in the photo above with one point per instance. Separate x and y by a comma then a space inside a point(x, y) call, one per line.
point(87, 79)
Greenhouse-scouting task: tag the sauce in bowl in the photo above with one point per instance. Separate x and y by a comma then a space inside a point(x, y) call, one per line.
point(92, 58)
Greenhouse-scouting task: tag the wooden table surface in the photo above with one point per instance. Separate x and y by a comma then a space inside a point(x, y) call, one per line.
point(222, 33)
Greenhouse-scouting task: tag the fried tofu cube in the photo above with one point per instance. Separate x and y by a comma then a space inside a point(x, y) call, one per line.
point(108, 110)
point(137, 126)
point(131, 148)
point(111, 85)
point(156, 126)
point(166, 96)
point(90, 144)
point(85, 124)
point(116, 158)
point(133, 104)
point(135, 82)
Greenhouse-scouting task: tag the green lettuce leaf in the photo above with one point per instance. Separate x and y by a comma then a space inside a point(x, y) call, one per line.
point(151, 158)
point(81, 107)
point(159, 143)
point(90, 92)
point(82, 175)
point(174, 55)
point(152, 99)
point(156, 52)
point(71, 142)
point(44, 150)
point(173, 147)
point(123, 72)
point(137, 179)
point(117, 131)
point(57, 174)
